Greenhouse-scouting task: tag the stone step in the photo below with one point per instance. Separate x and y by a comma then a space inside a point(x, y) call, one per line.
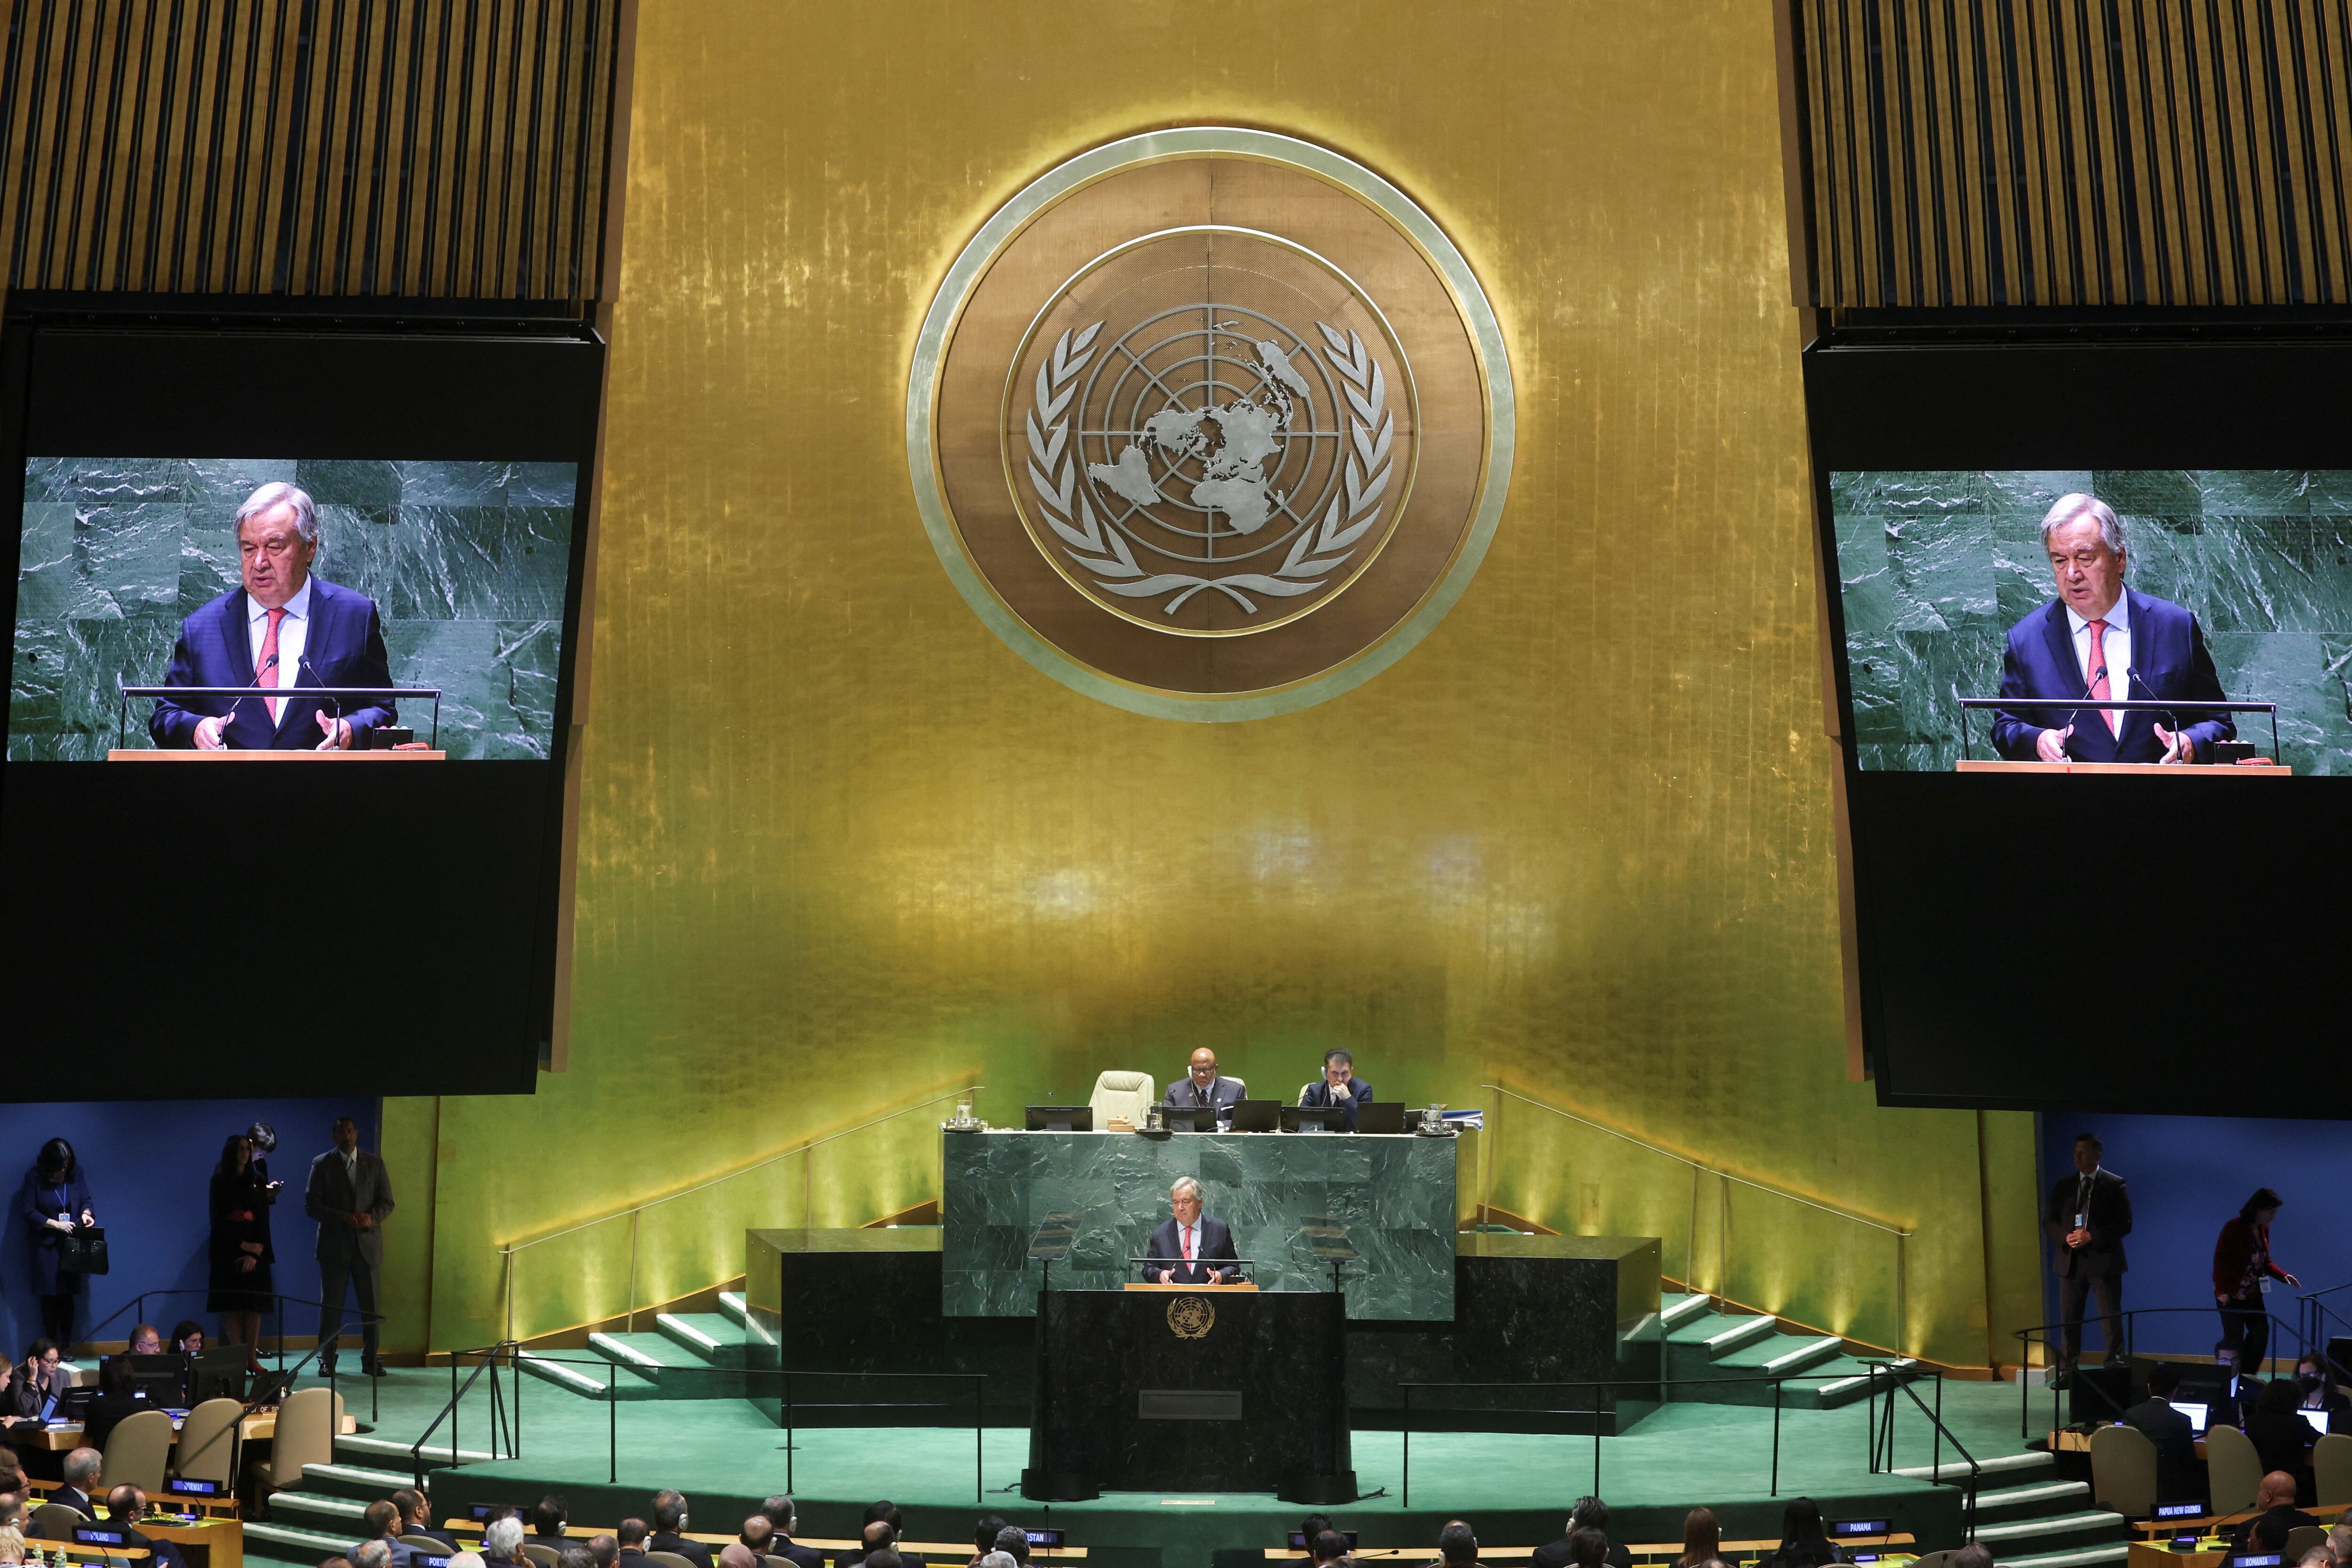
point(317, 1510)
point(2003, 1465)
point(1679, 1309)
point(718, 1339)
point(587, 1382)
point(294, 1543)
point(1726, 1338)
point(392, 1453)
point(1784, 1354)
point(2049, 1494)
point(675, 1371)
point(354, 1480)
point(730, 1302)
point(2055, 1530)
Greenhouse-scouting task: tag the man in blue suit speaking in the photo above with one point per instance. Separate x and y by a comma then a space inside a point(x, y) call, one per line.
point(281, 629)
point(2099, 641)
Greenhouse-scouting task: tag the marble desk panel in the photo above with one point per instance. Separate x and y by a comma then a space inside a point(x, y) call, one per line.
point(1393, 1195)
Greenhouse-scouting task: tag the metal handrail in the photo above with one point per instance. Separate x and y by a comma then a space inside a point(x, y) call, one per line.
point(1942, 1433)
point(1727, 1180)
point(634, 1212)
point(2306, 1345)
point(489, 1354)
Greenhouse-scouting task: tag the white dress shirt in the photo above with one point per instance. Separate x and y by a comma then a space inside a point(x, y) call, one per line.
point(2116, 646)
point(292, 634)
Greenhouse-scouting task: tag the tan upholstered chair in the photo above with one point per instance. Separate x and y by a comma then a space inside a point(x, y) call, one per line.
point(2123, 1471)
point(2331, 1470)
point(543, 1555)
point(1123, 1095)
point(307, 1424)
point(669, 1560)
point(425, 1544)
point(1935, 1558)
point(208, 1442)
point(2301, 1539)
point(2233, 1470)
point(55, 1522)
point(136, 1451)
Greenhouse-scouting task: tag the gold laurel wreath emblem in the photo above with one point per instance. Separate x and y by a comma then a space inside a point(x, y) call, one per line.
point(1191, 1317)
point(1068, 511)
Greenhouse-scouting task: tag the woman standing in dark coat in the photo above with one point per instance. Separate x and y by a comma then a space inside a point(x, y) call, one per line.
point(56, 1203)
point(241, 1253)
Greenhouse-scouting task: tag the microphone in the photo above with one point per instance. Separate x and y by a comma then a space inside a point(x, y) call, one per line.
point(266, 666)
point(335, 705)
point(2133, 674)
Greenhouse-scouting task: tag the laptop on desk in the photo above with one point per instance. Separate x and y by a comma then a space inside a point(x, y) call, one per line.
point(1256, 1115)
point(2198, 1414)
point(1380, 1116)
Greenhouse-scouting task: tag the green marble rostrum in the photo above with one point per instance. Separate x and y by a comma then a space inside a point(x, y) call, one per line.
point(467, 563)
point(1389, 1199)
point(1934, 569)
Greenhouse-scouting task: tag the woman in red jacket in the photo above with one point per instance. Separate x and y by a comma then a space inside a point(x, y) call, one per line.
point(2242, 1269)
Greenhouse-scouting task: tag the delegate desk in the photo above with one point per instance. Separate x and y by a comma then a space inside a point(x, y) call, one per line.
point(1391, 1199)
point(1151, 1387)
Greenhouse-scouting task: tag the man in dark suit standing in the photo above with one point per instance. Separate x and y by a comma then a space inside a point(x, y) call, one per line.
point(1341, 1086)
point(351, 1196)
point(2088, 1216)
point(1202, 1084)
point(281, 627)
point(2173, 1434)
point(2098, 641)
point(1182, 1246)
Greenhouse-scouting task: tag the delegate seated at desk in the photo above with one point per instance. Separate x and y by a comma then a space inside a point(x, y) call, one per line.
point(2099, 641)
point(1183, 1243)
point(1201, 1085)
point(1339, 1086)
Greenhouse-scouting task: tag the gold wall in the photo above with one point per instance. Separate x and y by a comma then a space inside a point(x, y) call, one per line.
point(838, 845)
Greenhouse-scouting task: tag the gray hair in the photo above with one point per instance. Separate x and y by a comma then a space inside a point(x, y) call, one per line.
point(80, 1466)
point(2072, 508)
point(277, 493)
point(1000, 1560)
point(499, 1540)
point(374, 1553)
point(1182, 1183)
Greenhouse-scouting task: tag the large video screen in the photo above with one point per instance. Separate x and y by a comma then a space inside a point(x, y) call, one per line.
point(2193, 586)
point(443, 578)
point(294, 630)
point(2089, 594)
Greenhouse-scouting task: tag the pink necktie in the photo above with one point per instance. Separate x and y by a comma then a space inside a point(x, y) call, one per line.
point(2099, 686)
point(1188, 1243)
point(268, 676)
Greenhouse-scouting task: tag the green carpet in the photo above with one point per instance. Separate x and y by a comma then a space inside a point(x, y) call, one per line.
point(1516, 1490)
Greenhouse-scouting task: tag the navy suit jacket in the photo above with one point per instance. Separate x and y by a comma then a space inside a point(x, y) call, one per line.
point(1319, 1093)
point(1224, 1094)
point(2169, 659)
point(344, 646)
point(1216, 1243)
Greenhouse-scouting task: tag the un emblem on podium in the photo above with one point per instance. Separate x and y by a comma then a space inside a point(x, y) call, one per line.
point(1210, 423)
point(1191, 1317)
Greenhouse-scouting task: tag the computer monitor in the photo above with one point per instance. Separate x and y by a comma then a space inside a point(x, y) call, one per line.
point(1188, 1118)
point(2198, 1414)
point(1256, 1115)
point(216, 1372)
point(161, 1379)
point(1061, 1119)
point(1380, 1116)
point(2315, 1419)
point(1313, 1119)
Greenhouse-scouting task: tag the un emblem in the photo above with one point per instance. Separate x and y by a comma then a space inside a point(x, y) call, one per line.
point(1191, 1317)
point(1210, 423)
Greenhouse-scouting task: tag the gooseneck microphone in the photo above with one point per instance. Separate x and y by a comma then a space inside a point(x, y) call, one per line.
point(2132, 675)
point(266, 666)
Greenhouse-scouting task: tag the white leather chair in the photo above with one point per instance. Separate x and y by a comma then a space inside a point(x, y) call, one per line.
point(1123, 1095)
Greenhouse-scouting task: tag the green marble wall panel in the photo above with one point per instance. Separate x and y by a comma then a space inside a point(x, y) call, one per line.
point(1394, 1195)
point(468, 562)
point(1934, 567)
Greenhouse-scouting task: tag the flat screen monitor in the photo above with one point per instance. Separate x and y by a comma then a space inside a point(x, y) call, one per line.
point(2198, 1414)
point(216, 1372)
point(1188, 1118)
point(162, 1380)
point(1256, 1116)
point(238, 548)
point(1061, 1119)
point(2002, 556)
point(1380, 1116)
point(1313, 1119)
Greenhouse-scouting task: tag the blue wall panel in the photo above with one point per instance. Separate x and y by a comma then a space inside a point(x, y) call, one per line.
point(2187, 1176)
point(149, 1163)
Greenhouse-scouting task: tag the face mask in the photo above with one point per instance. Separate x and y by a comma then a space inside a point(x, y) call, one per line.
point(2310, 1380)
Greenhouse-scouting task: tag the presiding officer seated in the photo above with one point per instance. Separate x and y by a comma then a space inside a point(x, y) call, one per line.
point(1183, 1245)
point(1203, 1085)
point(1339, 1086)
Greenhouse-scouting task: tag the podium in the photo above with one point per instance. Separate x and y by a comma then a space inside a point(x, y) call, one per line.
point(1215, 1388)
point(129, 754)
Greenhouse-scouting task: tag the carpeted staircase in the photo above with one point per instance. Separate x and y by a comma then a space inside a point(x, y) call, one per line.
point(685, 1355)
point(2030, 1519)
point(1709, 1353)
point(320, 1518)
